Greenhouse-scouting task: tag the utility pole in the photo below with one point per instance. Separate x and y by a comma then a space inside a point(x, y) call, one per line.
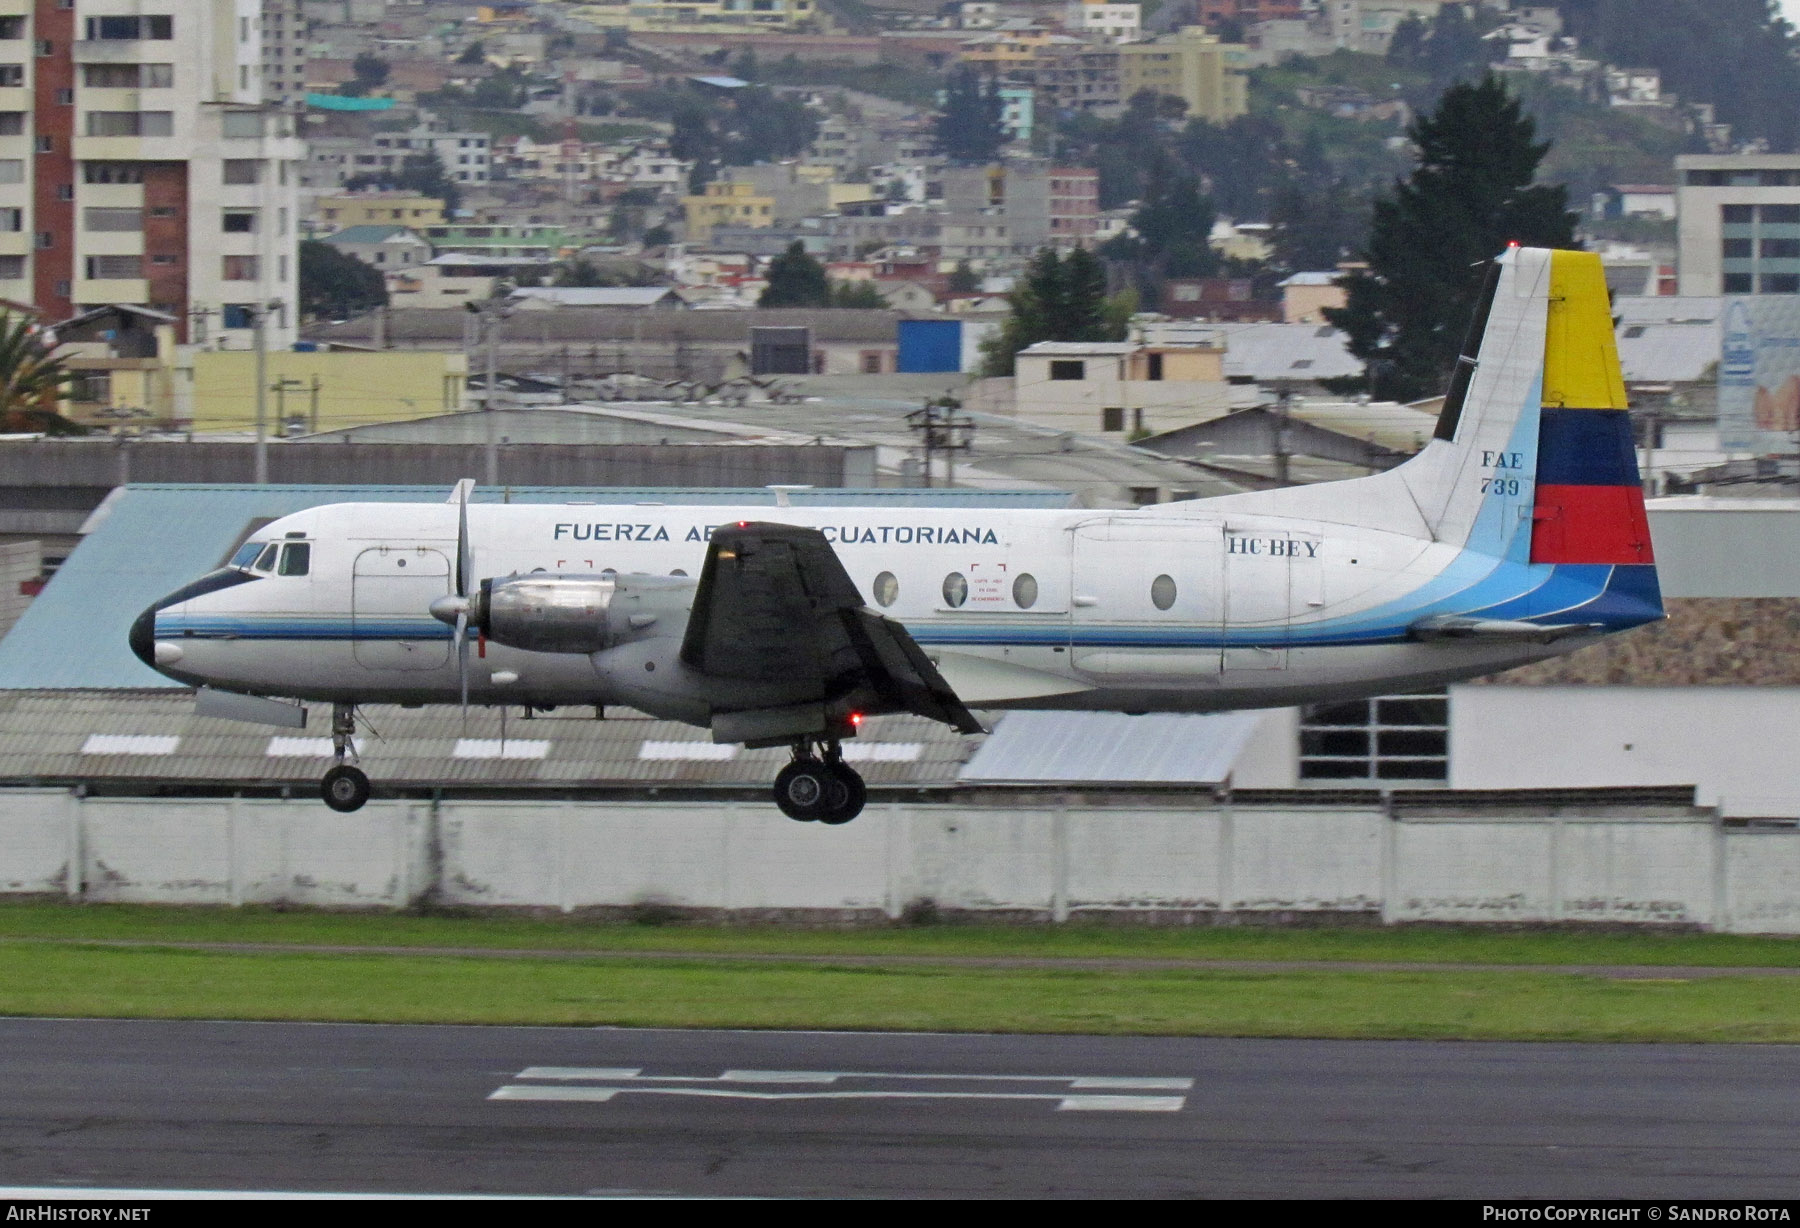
point(262, 394)
point(313, 417)
point(490, 314)
point(942, 429)
point(1283, 400)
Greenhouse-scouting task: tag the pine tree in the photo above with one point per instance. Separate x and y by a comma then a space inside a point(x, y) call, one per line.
point(1471, 194)
point(796, 280)
point(968, 130)
point(1058, 300)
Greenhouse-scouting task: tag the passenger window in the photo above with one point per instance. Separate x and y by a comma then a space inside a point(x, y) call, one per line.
point(956, 590)
point(296, 558)
point(887, 588)
point(1025, 591)
point(1162, 592)
point(266, 561)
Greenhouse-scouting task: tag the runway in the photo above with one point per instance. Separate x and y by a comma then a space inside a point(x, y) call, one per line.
point(568, 1111)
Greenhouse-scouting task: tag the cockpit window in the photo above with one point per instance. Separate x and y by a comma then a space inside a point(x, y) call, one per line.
point(266, 560)
point(296, 558)
point(246, 554)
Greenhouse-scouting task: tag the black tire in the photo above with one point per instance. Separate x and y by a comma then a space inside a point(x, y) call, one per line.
point(345, 788)
point(803, 789)
point(848, 795)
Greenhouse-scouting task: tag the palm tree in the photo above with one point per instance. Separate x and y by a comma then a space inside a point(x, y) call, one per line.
point(30, 379)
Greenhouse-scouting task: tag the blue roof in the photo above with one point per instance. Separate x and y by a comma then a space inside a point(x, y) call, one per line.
point(146, 541)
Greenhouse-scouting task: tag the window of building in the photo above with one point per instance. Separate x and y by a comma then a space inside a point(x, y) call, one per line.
point(65, 98)
point(956, 590)
point(238, 315)
point(240, 268)
point(12, 221)
point(12, 268)
point(241, 171)
point(11, 28)
point(130, 123)
point(45, 48)
point(112, 219)
point(12, 123)
point(45, 144)
point(1112, 418)
point(1781, 249)
point(242, 124)
point(155, 26)
point(1154, 363)
point(1735, 249)
point(45, 240)
point(128, 76)
point(112, 172)
point(1392, 737)
point(1781, 283)
point(110, 268)
point(164, 211)
point(1738, 215)
point(1706, 179)
point(239, 222)
point(12, 74)
point(1781, 215)
point(1737, 283)
point(1068, 368)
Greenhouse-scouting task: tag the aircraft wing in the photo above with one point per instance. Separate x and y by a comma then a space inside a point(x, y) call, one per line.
point(774, 604)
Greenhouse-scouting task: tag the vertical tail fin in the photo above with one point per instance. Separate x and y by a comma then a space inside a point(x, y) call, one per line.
point(1533, 459)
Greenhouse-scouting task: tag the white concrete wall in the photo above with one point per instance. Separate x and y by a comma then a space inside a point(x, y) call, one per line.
point(1734, 744)
point(1047, 860)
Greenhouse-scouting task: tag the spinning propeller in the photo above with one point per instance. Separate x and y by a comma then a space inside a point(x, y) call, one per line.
point(454, 608)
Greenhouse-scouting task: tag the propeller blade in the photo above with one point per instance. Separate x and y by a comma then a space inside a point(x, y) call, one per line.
point(465, 563)
point(462, 657)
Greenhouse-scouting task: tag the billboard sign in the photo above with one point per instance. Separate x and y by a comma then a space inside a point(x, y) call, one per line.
point(1759, 374)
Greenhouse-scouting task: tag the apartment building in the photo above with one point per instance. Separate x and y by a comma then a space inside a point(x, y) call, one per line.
point(1738, 224)
point(284, 36)
point(1192, 65)
point(139, 165)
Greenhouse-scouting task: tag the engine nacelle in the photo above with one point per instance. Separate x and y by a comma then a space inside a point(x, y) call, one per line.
point(545, 613)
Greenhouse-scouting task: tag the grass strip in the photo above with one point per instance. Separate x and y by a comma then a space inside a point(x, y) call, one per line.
point(1088, 940)
point(58, 980)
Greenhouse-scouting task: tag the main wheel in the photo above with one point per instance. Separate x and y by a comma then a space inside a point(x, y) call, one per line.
point(804, 789)
point(847, 795)
point(345, 788)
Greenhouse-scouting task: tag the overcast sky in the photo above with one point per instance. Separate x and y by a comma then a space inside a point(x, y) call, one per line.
point(1791, 10)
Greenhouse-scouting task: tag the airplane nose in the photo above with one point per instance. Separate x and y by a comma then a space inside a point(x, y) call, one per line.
point(143, 637)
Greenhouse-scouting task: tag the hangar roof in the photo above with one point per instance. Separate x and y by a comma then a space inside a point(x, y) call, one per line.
point(1111, 748)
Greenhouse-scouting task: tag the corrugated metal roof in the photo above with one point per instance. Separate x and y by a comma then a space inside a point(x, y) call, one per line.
point(98, 735)
point(1111, 748)
point(1287, 351)
point(1652, 353)
point(146, 541)
point(596, 296)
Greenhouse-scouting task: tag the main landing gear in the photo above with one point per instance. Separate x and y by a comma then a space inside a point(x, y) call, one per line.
point(818, 786)
point(344, 788)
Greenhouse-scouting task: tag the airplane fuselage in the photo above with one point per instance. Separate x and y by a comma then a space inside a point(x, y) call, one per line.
point(1173, 609)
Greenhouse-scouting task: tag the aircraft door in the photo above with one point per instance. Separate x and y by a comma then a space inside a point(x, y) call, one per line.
point(391, 592)
point(1147, 599)
point(1272, 578)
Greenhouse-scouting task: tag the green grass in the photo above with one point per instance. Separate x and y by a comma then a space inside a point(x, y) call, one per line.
point(49, 966)
point(42, 979)
point(1416, 944)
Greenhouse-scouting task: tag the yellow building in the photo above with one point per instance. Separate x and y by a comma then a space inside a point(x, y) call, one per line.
point(334, 213)
point(723, 203)
point(703, 16)
point(325, 390)
point(1010, 54)
point(1192, 65)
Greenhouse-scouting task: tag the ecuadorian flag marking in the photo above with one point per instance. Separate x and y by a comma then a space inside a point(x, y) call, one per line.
point(1589, 504)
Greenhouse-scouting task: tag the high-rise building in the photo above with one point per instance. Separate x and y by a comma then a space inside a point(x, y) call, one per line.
point(1192, 65)
point(140, 165)
point(1739, 223)
point(284, 30)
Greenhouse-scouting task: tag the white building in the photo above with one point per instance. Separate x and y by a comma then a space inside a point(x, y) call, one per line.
point(1738, 224)
point(1115, 23)
point(139, 165)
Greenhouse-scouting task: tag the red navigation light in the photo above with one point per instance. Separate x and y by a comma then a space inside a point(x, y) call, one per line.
point(743, 524)
point(856, 720)
point(1512, 242)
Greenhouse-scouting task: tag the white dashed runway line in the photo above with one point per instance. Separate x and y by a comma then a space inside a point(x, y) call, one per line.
point(1069, 1093)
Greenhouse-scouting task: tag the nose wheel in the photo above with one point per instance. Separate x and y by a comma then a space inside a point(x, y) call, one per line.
point(820, 788)
point(345, 788)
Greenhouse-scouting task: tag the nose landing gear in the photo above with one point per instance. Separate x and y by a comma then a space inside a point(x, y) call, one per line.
point(820, 787)
point(345, 788)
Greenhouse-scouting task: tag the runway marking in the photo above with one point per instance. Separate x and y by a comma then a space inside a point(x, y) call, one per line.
point(1080, 1093)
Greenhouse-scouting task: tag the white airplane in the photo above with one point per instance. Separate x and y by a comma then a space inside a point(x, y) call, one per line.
point(1517, 533)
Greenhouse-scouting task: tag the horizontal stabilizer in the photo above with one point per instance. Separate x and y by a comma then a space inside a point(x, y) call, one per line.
point(1454, 627)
